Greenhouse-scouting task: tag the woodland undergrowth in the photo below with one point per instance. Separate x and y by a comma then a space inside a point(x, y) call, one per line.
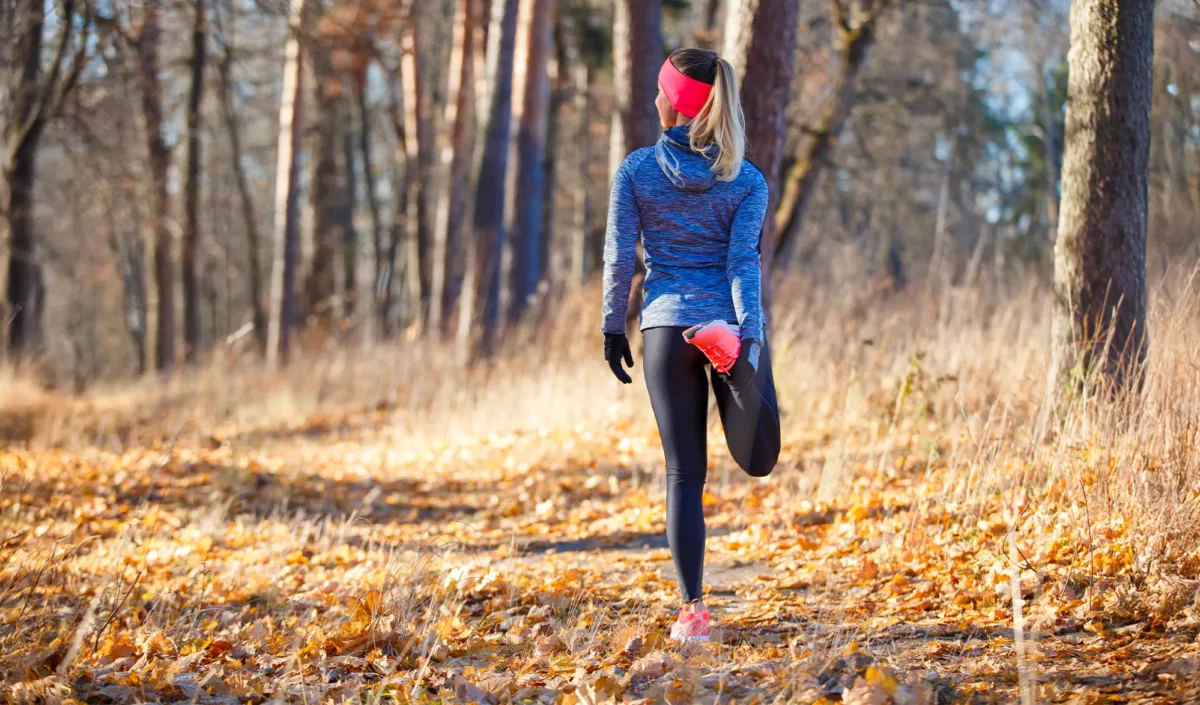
point(380, 523)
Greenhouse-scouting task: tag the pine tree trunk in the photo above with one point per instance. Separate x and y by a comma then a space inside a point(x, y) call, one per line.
point(531, 156)
point(761, 45)
point(191, 233)
point(160, 164)
point(460, 114)
point(490, 191)
point(286, 235)
point(1100, 255)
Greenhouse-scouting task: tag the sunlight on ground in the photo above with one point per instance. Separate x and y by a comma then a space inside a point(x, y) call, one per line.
point(365, 530)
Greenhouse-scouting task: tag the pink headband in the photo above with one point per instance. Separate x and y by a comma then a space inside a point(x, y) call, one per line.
point(687, 95)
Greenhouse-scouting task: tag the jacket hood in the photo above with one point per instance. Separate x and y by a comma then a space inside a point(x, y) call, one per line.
point(686, 168)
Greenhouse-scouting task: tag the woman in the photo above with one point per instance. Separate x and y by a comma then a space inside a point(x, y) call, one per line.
point(698, 207)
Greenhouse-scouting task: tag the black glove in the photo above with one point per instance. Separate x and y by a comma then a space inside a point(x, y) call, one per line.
point(616, 346)
point(746, 365)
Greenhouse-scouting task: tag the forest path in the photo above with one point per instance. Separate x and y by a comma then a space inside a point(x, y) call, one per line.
point(324, 562)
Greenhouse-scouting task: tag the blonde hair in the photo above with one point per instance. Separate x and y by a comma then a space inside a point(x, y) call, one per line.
point(720, 123)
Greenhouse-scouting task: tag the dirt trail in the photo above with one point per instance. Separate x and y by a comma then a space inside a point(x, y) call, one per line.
point(533, 567)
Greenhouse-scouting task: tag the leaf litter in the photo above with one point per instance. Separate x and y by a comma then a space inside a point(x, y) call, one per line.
point(331, 568)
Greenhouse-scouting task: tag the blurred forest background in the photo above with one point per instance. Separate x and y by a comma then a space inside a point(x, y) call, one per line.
point(188, 178)
point(302, 397)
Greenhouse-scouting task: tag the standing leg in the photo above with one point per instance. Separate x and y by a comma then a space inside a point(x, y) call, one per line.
point(750, 415)
point(679, 394)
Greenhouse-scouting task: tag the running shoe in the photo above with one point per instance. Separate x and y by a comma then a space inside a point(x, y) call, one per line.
point(692, 625)
point(719, 341)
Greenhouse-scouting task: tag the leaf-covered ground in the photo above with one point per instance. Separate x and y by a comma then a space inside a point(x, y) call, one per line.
point(338, 560)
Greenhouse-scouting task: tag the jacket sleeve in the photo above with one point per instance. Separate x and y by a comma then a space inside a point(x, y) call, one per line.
point(743, 267)
point(620, 248)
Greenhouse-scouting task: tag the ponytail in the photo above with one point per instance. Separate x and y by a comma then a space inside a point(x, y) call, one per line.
point(720, 123)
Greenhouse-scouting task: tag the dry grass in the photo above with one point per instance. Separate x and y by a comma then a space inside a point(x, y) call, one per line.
point(908, 414)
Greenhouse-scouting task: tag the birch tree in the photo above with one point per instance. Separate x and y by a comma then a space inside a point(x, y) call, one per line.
point(286, 238)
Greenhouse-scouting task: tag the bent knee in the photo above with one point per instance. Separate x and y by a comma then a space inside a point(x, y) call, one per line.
point(761, 469)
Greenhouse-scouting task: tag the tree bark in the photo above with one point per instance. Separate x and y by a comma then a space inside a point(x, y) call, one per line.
point(246, 198)
point(349, 242)
point(128, 247)
point(417, 76)
point(1100, 254)
point(761, 45)
point(160, 165)
point(637, 57)
point(368, 168)
point(386, 259)
point(490, 192)
point(531, 156)
point(21, 137)
point(460, 114)
point(34, 100)
point(327, 196)
point(802, 178)
point(191, 234)
point(286, 235)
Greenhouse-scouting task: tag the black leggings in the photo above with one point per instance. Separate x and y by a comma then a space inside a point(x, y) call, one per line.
point(678, 383)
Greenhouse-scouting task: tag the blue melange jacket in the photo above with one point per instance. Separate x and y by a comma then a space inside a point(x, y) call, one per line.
point(699, 237)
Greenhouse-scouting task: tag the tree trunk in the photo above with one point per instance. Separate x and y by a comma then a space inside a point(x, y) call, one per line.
point(803, 177)
point(490, 192)
point(246, 197)
point(349, 243)
point(191, 233)
point(286, 236)
point(1100, 255)
point(460, 114)
point(326, 190)
point(637, 57)
point(34, 100)
point(531, 160)
point(160, 165)
point(555, 257)
point(575, 72)
point(385, 259)
point(417, 77)
point(21, 137)
point(589, 245)
point(368, 166)
point(127, 247)
point(761, 45)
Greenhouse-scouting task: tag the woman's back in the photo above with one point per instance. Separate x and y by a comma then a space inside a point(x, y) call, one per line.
point(699, 235)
